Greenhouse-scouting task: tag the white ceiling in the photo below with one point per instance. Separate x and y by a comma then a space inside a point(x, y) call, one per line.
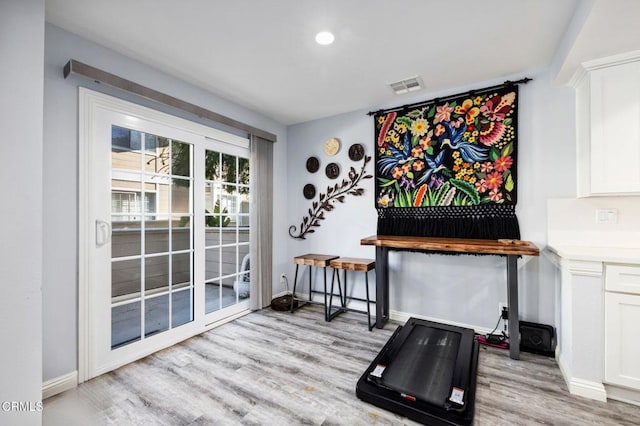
point(262, 54)
point(610, 27)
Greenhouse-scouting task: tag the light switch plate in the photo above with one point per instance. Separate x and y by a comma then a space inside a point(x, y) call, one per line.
point(609, 216)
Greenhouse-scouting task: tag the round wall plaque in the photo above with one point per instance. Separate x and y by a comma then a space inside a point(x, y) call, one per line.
point(309, 191)
point(356, 152)
point(332, 170)
point(313, 164)
point(331, 146)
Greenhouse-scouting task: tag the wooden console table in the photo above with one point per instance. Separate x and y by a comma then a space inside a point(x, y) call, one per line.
point(509, 248)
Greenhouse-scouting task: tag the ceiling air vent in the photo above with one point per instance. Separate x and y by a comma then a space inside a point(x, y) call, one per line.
point(407, 85)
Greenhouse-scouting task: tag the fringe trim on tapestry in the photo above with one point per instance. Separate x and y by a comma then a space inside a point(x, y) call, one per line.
point(487, 221)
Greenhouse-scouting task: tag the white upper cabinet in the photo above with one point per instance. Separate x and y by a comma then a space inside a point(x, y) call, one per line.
point(608, 126)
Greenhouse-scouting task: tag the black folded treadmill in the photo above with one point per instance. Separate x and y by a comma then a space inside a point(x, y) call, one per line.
point(426, 372)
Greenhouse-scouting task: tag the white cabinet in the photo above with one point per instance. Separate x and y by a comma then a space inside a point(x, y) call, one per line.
point(608, 126)
point(622, 325)
point(599, 321)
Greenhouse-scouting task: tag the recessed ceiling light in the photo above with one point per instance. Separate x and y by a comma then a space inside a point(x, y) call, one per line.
point(324, 38)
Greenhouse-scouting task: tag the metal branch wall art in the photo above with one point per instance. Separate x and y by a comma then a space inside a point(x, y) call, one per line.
point(326, 201)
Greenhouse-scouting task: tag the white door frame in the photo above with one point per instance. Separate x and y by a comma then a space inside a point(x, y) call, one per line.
point(90, 104)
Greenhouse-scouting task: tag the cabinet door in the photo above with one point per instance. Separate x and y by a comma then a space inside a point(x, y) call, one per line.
point(622, 342)
point(615, 129)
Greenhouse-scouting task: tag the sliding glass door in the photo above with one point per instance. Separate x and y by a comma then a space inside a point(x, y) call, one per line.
point(167, 229)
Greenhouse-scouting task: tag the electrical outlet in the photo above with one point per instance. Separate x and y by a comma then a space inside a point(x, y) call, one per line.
point(283, 277)
point(505, 313)
point(502, 306)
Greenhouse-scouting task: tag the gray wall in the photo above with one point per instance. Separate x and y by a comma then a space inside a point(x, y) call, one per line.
point(462, 289)
point(60, 286)
point(21, 50)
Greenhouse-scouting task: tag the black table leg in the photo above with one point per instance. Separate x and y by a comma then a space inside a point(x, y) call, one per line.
point(343, 300)
point(310, 269)
point(512, 295)
point(293, 294)
point(326, 314)
point(382, 286)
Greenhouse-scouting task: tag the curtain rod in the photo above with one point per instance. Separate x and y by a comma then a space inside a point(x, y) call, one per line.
point(103, 77)
point(437, 100)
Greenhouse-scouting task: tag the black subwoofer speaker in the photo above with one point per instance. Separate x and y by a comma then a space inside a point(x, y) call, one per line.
point(537, 338)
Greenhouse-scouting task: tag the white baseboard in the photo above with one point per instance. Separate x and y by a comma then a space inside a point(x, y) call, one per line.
point(59, 384)
point(282, 293)
point(399, 316)
point(352, 304)
point(630, 396)
point(588, 389)
point(362, 306)
point(404, 317)
point(581, 387)
point(563, 368)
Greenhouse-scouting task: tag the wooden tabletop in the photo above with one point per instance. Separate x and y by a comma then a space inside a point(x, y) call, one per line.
point(313, 259)
point(353, 264)
point(456, 245)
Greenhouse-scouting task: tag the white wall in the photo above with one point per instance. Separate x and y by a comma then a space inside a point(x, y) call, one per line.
point(60, 287)
point(572, 222)
point(462, 289)
point(21, 50)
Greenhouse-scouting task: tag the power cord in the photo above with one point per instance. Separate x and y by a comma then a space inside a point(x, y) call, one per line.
point(496, 327)
point(286, 283)
point(497, 339)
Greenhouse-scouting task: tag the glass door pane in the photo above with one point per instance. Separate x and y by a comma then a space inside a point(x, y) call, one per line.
point(226, 217)
point(152, 238)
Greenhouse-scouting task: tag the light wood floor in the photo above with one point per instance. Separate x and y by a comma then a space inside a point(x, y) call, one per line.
point(277, 368)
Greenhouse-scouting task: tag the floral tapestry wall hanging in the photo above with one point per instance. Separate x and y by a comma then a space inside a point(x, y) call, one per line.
point(448, 167)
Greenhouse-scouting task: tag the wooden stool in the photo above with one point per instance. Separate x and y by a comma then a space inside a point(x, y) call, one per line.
point(350, 264)
point(311, 260)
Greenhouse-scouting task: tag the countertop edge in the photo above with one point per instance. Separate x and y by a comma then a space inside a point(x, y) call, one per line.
point(597, 254)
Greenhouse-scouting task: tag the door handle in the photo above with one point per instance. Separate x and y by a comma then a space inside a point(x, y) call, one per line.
point(103, 232)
